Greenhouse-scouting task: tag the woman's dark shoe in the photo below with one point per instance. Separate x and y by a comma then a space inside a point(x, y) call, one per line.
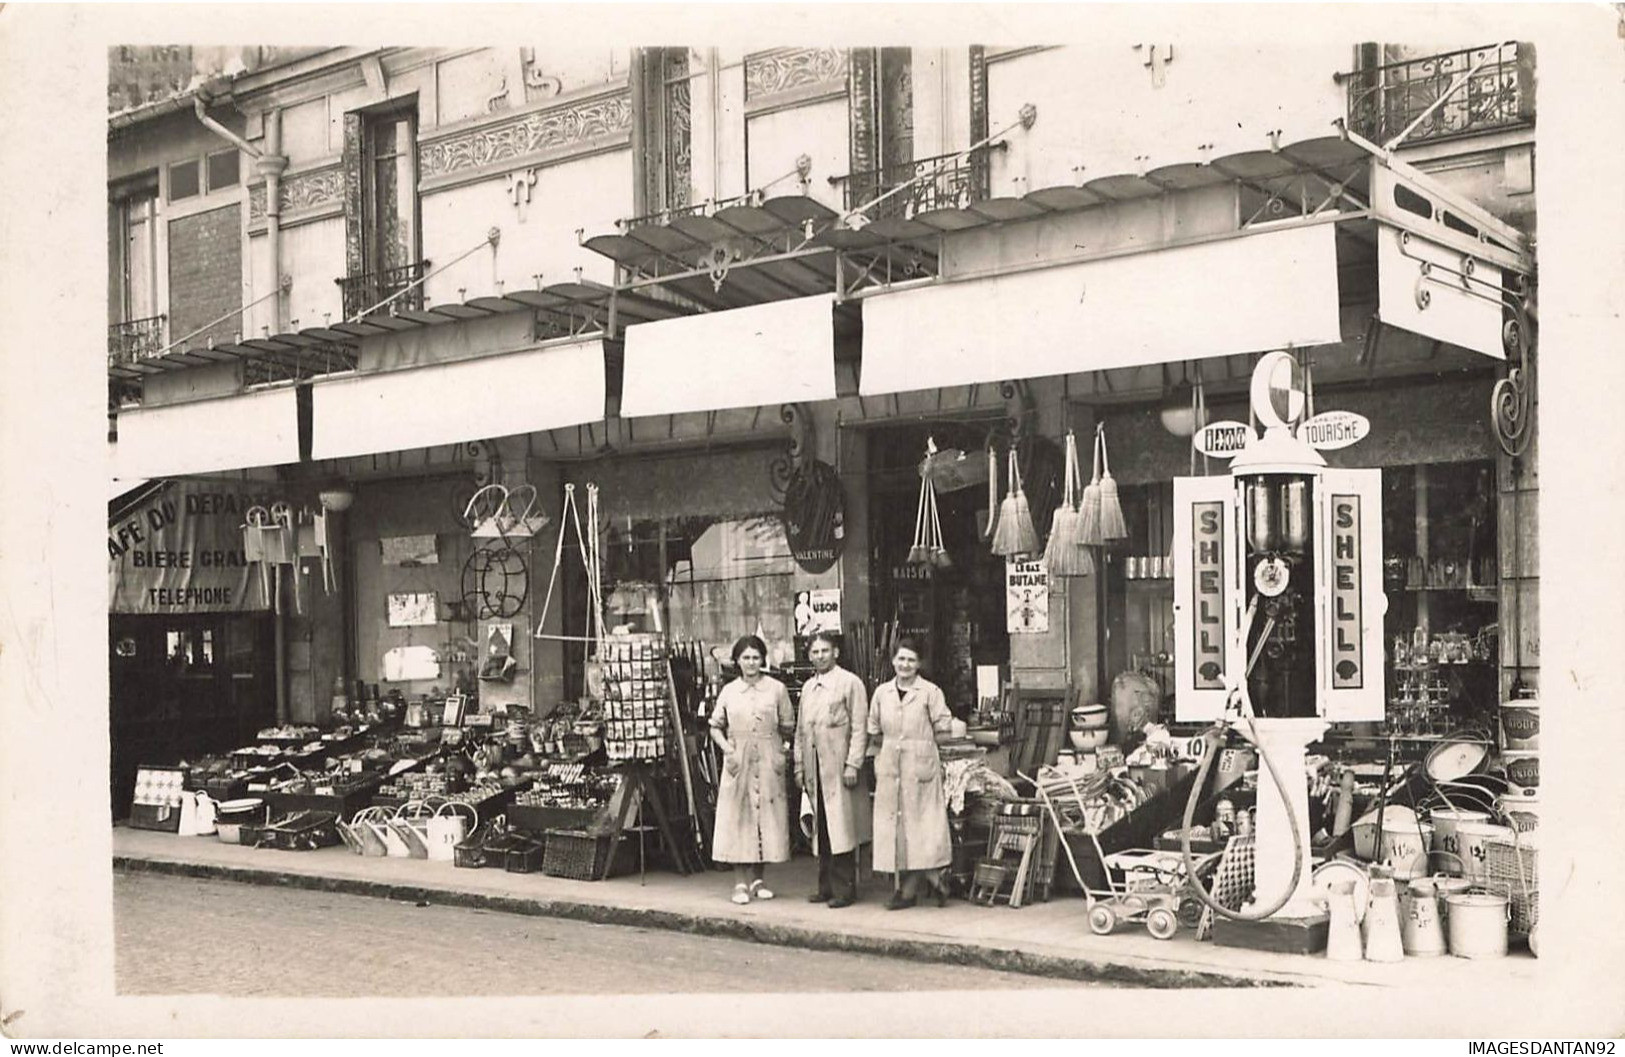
point(839, 901)
point(897, 902)
point(942, 896)
point(818, 897)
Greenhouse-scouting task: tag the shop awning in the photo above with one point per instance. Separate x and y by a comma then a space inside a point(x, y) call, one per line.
point(231, 433)
point(545, 387)
point(1244, 294)
point(775, 353)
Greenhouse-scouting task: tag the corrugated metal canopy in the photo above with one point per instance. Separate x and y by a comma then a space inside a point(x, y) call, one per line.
point(717, 256)
point(563, 309)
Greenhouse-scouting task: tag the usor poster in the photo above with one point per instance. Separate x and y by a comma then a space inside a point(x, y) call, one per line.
point(818, 611)
point(1026, 598)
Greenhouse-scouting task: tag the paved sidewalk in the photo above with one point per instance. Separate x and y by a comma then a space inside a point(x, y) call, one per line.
point(1046, 939)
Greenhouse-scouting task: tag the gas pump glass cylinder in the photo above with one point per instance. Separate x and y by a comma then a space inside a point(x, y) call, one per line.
point(1295, 516)
point(1262, 534)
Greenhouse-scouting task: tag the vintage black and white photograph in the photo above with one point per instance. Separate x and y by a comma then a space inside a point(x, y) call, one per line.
point(672, 515)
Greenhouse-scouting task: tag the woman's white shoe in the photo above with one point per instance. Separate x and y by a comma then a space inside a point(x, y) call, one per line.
point(760, 890)
point(741, 894)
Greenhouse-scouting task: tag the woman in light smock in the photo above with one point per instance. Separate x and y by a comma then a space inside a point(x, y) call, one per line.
point(750, 723)
point(911, 812)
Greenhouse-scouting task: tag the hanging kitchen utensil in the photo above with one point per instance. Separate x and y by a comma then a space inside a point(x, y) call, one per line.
point(1112, 526)
point(1015, 536)
point(288, 549)
point(1089, 504)
point(1063, 554)
point(936, 545)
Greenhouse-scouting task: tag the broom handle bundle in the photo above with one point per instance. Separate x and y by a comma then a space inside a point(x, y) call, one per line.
point(934, 530)
point(1015, 473)
point(919, 515)
point(1105, 459)
point(1100, 442)
point(992, 490)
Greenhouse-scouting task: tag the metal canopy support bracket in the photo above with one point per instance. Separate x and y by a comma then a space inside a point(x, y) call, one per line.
point(1496, 241)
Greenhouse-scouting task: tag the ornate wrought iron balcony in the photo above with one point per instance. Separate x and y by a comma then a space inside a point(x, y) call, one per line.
point(364, 293)
point(135, 339)
point(1384, 100)
point(947, 181)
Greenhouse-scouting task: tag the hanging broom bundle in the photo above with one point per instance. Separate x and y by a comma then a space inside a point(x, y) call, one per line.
point(1112, 526)
point(1015, 535)
point(1064, 554)
point(1089, 503)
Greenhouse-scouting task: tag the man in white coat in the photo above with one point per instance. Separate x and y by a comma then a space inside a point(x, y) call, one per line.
point(831, 738)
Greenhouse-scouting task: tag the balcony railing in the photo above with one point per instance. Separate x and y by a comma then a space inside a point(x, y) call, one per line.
point(1384, 100)
point(958, 180)
point(364, 293)
point(135, 339)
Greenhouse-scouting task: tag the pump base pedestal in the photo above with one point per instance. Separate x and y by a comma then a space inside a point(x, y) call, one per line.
point(1279, 934)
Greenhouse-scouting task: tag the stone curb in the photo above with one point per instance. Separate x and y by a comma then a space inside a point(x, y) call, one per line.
point(986, 957)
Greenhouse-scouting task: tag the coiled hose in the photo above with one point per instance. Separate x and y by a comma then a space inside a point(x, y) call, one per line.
point(1214, 736)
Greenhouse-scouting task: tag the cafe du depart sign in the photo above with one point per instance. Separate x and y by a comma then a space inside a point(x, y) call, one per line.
point(181, 551)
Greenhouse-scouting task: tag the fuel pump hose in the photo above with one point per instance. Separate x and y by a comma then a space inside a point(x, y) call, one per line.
point(1214, 736)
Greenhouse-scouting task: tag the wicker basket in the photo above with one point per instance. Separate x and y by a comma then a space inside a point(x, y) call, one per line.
point(582, 856)
point(1513, 866)
point(525, 857)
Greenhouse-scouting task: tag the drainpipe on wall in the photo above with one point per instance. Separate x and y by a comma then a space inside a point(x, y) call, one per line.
point(270, 163)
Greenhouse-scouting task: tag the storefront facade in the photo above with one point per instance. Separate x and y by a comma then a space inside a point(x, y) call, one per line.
point(789, 287)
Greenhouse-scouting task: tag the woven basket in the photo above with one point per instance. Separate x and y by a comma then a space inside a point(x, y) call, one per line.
point(1512, 866)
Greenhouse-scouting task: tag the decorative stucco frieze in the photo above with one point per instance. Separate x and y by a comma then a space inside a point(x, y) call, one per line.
point(540, 131)
point(769, 73)
point(301, 191)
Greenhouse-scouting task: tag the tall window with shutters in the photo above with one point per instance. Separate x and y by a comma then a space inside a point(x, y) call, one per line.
point(135, 322)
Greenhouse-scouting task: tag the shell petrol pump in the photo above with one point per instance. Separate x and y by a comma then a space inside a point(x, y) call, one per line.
point(1278, 612)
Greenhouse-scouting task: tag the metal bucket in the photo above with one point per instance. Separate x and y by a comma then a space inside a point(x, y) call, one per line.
point(1520, 725)
point(1478, 924)
point(1446, 845)
point(1523, 771)
point(1522, 811)
point(1474, 836)
point(1405, 846)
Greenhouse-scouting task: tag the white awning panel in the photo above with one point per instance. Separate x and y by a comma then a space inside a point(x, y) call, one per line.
point(1244, 294)
point(546, 387)
point(1420, 288)
point(227, 433)
point(775, 353)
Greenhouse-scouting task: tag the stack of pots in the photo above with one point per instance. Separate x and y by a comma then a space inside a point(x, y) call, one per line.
point(1520, 755)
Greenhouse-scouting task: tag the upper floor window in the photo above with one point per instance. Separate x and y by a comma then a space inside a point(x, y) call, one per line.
point(383, 241)
point(187, 178)
point(390, 188)
point(133, 252)
point(667, 130)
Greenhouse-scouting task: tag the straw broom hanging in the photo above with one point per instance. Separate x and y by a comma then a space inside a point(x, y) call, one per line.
point(1112, 526)
point(917, 551)
point(1089, 504)
point(1064, 553)
point(1015, 537)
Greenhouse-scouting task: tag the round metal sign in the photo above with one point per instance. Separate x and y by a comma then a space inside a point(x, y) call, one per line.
point(1278, 390)
point(1330, 430)
point(814, 516)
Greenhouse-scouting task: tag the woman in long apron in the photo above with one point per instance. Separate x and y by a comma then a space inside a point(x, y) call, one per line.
point(750, 723)
point(911, 813)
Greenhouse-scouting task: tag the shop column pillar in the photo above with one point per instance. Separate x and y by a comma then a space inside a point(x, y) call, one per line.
point(852, 463)
point(1518, 539)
